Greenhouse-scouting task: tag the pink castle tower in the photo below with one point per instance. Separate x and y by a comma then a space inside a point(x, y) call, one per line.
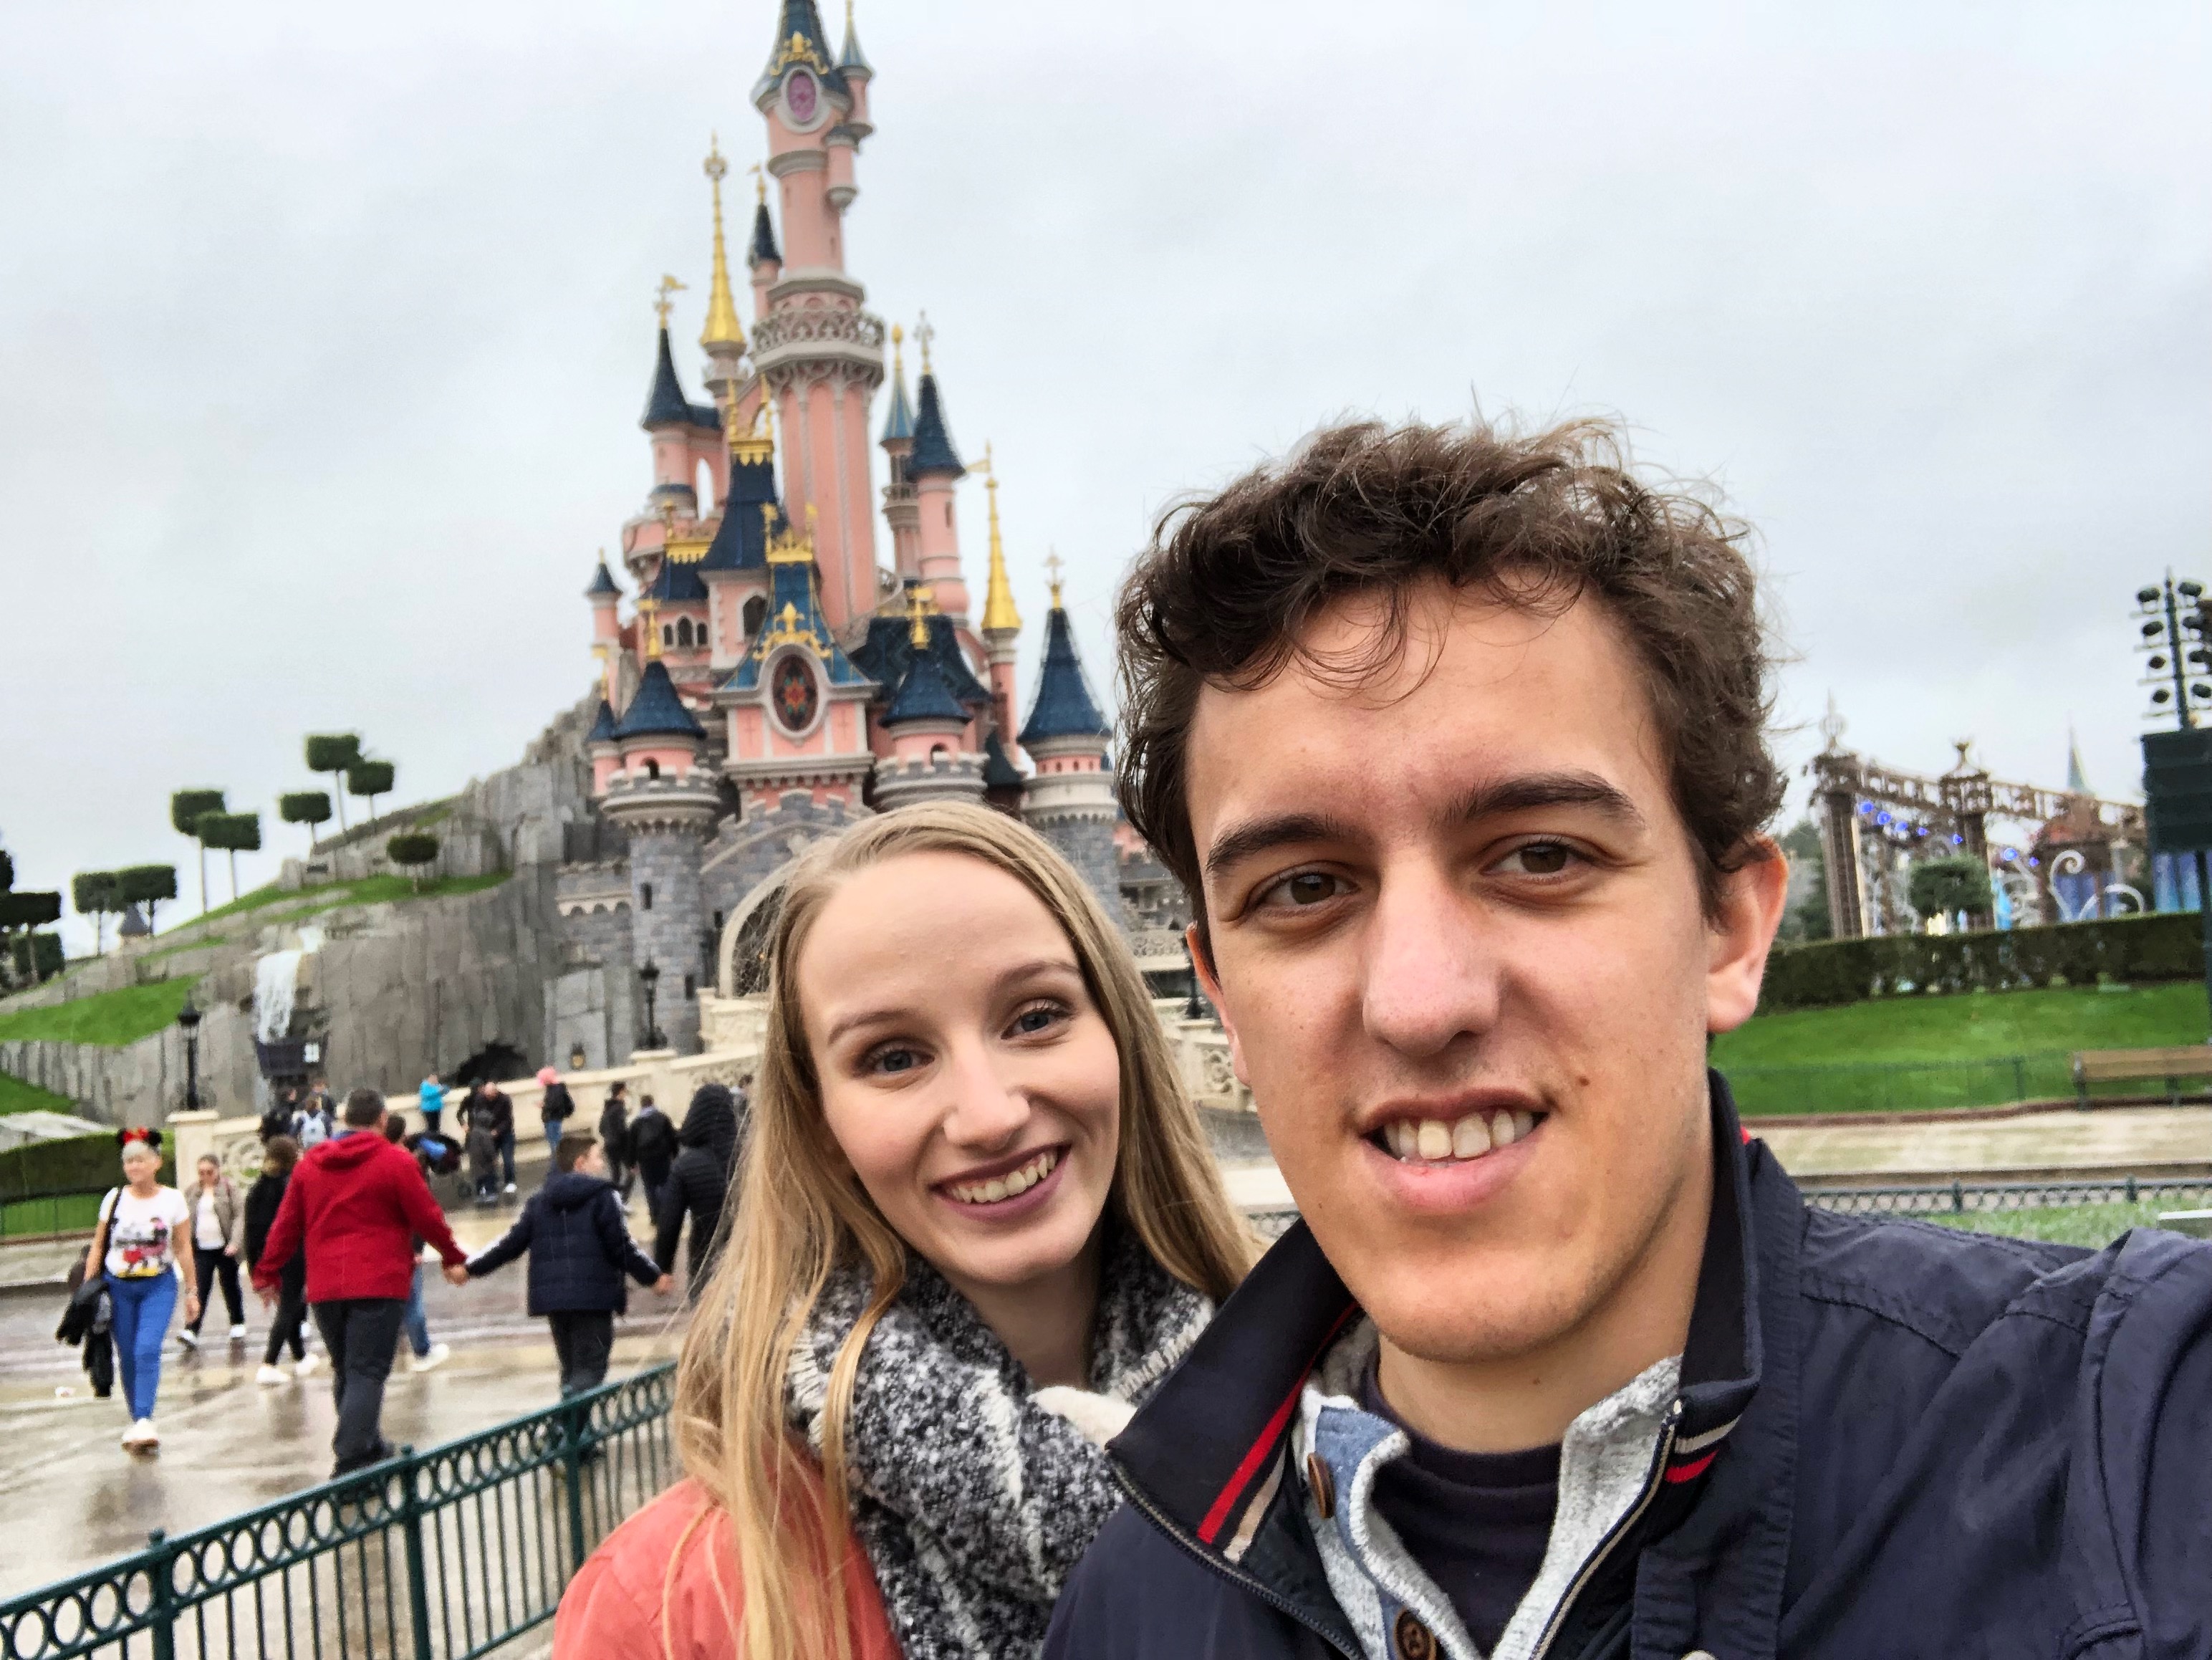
point(820, 356)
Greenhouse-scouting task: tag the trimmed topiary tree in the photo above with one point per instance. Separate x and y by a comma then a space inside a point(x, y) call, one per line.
point(187, 809)
point(334, 752)
point(411, 850)
point(93, 893)
point(234, 833)
point(1944, 887)
point(371, 779)
point(308, 807)
point(148, 885)
point(25, 951)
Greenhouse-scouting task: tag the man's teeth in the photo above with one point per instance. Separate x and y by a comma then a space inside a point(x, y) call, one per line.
point(1007, 1186)
point(1434, 1142)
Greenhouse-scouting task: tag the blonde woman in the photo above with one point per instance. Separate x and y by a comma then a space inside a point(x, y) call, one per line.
point(143, 1243)
point(976, 1223)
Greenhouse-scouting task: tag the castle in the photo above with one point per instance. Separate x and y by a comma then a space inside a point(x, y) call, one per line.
point(774, 678)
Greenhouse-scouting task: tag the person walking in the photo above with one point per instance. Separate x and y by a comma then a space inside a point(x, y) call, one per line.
point(496, 1110)
point(218, 1236)
point(313, 1123)
point(481, 1143)
point(698, 1185)
point(430, 1101)
point(355, 1205)
point(288, 1327)
point(614, 1138)
point(579, 1249)
point(143, 1243)
point(415, 1324)
point(554, 1106)
point(651, 1150)
point(278, 1119)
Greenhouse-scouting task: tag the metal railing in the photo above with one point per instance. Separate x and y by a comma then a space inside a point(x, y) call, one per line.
point(1956, 1198)
point(445, 1554)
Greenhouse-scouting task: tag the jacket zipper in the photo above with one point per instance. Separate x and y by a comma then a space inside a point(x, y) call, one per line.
point(1618, 1531)
point(1281, 1605)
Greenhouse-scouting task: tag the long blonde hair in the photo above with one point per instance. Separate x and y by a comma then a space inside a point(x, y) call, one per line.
point(801, 1214)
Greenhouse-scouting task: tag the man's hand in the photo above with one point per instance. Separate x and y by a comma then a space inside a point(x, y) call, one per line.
point(231, 1251)
point(457, 1273)
point(665, 1285)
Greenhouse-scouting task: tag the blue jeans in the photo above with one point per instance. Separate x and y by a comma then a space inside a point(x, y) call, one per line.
point(507, 1156)
point(417, 1327)
point(140, 1324)
point(552, 1135)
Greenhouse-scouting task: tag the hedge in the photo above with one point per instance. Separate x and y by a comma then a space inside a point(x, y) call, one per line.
point(76, 1164)
point(2163, 946)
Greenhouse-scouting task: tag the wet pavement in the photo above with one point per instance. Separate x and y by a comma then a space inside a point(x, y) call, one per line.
point(70, 1497)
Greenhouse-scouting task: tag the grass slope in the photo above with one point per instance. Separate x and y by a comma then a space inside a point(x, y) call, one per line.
point(110, 1019)
point(290, 904)
point(16, 1095)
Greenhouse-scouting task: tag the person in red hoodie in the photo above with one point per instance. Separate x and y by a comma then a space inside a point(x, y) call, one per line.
point(356, 1204)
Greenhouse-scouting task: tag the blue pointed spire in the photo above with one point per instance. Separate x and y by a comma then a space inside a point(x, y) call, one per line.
point(763, 246)
point(603, 584)
point(799, 39)
point(656, 710)
point(665, 406)
point(852, 60)
point(1064, 707)
point(923, 694)
point(2077, 782)
point(932, 443)
point(899, 423)
point(603, 729)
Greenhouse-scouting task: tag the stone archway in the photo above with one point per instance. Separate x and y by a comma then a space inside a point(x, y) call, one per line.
point(740, 970)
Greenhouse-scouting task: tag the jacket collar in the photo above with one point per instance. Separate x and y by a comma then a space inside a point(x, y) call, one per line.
point(1206, 1457)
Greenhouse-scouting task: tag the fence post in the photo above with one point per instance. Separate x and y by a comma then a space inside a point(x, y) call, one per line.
point(164, 1608)
point(2132, 1190)
point(574, 1417)
point(1958, 1196)
point(418, 1573)
point(2019, 1077)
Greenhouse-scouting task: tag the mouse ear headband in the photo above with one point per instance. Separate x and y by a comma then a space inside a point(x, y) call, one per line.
point(150, 1138)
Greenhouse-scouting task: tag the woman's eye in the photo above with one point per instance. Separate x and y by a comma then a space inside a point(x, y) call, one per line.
point(1308, 887)
point(1538, 858)
point(1043, 1018)
point(892, 1060)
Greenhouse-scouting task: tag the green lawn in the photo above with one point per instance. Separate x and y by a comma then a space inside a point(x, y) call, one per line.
point(2094, 1225)
point(67, 1213)
point(290, 905)
point(1971, 1049)
point(16, 1095)
point(111, 1019)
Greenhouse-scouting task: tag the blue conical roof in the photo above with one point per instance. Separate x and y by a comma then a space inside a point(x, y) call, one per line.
point(603, 584)
point(923, 696)
point(999, 772)
point(665, 406)
point(932, 444)
point(741, 539)
point(764, 247)
point(603, 729)
point(656, 709)
point(852, 60)
point(799, 37)
point(1064, 707)
point(899, 423)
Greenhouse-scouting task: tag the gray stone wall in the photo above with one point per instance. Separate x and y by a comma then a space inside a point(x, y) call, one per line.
point(671, 930)
point(1086, 842)
point(594, 1002)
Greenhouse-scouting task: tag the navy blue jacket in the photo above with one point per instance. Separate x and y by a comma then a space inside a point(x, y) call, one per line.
point(579, 1245)
point(1902, 1440)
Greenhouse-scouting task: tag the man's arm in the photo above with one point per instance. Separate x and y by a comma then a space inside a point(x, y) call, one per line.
point(508, 1246)
point(614, 1237)
point(423, 1214)
point(668, 1228)
point(284, 1233)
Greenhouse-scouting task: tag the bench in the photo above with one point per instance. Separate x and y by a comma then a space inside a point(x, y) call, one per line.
point(2115, 1065)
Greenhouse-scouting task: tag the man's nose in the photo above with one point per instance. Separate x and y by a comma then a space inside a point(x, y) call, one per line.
point(1429, 981)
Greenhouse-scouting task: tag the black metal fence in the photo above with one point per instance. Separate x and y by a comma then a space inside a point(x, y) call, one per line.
point(446, 1555)
point(1960, 1197)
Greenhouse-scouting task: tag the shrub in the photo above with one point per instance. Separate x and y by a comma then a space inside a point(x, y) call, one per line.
point(148, 885)
point(333, 752)
point(412, 849)
point(371, 779)
point(1944, 887)
point(308, 807)
point(2167, 946)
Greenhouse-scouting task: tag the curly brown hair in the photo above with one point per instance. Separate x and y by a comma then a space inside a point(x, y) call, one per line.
point(1224, 594)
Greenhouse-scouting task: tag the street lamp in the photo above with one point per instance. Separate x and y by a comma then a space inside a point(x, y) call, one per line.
point(577, 1058)
point(188, 1022)
point(649, 977)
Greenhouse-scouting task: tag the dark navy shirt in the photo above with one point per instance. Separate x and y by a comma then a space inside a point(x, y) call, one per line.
point(1477, 1522)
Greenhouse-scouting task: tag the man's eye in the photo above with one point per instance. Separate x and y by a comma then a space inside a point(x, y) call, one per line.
point(1308, 887)
point(1538, 858)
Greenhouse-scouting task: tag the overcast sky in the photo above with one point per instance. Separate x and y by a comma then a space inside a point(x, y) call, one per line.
point(324, 332)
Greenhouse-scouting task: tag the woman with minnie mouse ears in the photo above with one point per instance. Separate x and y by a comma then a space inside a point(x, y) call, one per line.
point(144, 1241)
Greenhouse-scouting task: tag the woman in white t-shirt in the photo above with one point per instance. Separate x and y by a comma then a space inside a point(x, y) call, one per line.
point(144, 1240)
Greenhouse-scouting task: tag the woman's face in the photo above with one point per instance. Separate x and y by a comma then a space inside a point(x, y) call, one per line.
point(966, 1074)
point(141, 1164)
point(210, 1172)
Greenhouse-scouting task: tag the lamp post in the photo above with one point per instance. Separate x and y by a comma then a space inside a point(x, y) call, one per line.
point(649, 977)
point(188, 1022)
point(577, 1058)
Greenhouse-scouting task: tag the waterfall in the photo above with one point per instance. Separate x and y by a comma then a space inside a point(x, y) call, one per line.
point(275, 982)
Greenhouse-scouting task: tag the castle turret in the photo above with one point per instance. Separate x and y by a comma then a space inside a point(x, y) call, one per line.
point(927, 723)
point(900, 511)
point(723, 339)
point(735, 569)
point(683, 434)
point(819, 353)
point(1070, 801)
point(763, 258)
point(605, 595)
point(1002, 627)
point(934, 466)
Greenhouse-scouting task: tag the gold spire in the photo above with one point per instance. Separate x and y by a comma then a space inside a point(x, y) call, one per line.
point(1052, 569)
point(998, 610)
point(920, 603)
point(722, 328)
point(923, 334)
point(662, 304)
point(760, 183)
point(759, 444)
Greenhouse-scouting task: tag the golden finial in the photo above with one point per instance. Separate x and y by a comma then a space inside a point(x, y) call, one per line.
point(662, 305)
point(791, 547)
point(759, 444)
point(998, 612)
point(722, 328)
point(1052, 568)
point(918, 599)
point(898, 338)
point(760, 182)
point(923, 334)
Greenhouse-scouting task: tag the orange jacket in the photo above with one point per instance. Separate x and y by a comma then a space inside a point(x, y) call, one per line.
point(626, 1604)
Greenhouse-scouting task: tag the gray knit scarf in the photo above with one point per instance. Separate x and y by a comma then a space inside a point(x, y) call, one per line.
point(972, 1500)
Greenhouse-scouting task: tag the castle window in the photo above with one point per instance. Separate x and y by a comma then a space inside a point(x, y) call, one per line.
point(653, 769)
point(683, 631)
point(948, 515)
point(644, 895)
point(667, 635)
point(690, 985)
point(756, 613)
point(717, 921)
point(937, 751)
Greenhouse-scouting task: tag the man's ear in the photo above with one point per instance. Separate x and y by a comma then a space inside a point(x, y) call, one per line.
point(1202, 957)
point(1741, 933)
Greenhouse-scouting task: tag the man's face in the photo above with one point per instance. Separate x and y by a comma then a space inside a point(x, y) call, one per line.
point(1458, 945)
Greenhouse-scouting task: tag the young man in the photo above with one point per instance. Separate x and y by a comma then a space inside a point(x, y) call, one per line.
point(1456, 739)
point(579, 1248)
point(355, 1205)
